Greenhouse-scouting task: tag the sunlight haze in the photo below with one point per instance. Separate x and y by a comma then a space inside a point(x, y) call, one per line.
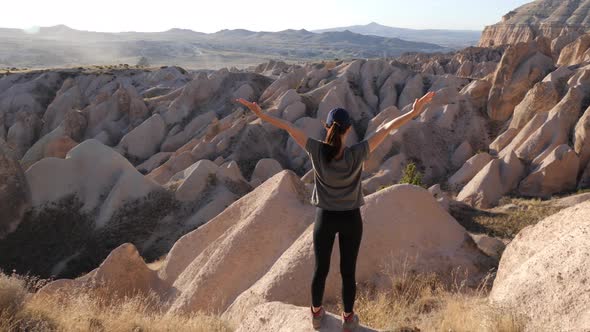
point(256, 15)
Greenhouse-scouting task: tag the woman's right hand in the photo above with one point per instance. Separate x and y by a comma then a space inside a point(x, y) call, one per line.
point(418, 106)
point(254, 107)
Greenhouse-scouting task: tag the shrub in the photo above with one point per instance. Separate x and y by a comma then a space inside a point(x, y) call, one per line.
point(411, 175)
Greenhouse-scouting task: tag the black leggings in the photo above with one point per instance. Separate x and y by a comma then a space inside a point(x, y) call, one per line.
point(349, 226)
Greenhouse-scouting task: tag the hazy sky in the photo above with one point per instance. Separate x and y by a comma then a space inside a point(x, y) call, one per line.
point(257, 15)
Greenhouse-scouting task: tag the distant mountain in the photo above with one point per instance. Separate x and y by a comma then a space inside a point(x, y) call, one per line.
point(447, 38)
point(63, 46)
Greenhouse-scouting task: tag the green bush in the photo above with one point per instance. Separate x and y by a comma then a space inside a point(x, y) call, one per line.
point(412, 175)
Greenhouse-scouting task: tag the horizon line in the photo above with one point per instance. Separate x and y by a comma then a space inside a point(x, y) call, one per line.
point(36, 27)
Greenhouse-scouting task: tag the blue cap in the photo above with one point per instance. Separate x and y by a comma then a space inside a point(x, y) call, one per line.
point(340, 116)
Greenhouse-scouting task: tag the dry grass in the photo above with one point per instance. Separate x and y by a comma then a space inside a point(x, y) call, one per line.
point(507, 220)
point(409, 302)
point(81, 311)
point(421, 302)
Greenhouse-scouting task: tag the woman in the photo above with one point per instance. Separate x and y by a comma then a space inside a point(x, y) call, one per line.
point(338, 196)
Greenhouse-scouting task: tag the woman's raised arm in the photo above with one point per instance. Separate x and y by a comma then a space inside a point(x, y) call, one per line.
point(298, 135)
point(418, 107)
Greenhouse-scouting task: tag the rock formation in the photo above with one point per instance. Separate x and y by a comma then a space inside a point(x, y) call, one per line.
point(15, 195)
point(544, 275)
point(541, 18)
point(383, 249)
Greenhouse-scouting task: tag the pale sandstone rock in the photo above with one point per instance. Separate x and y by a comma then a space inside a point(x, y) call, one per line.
point(543, 18)
point(522, 136)
point(198, 90)
point(59, 141)
point(544, 273)
point(562, 41)
point(571, 200)
point(154, 162)
point(174, 165)
point(557, 173)
point(491, 246)
point(541, 98)
point(280, 86)
point(442, 197)
point(439, 249)
point(462, 154)
point(174, 141)
point(388, 174)
point(59, 147)
point(219, 160)
point(469, 170)
point(144, 141)
point(582, 139)
point(496, 179)
point(204, 262)
point(15, 195)
point(115, 113)
point(245, 91)
point(412, 90)
point(282, 317)
point(576, 52)
point(478, 91)
point(89, 171)
point(23, 133)
point(503, 140)
point(294, 111)
point(122, 273)
point(69, 97)
point(289, 97)
point(555, 130)
point(194, 180)
point(265, 169)
point(522, 66)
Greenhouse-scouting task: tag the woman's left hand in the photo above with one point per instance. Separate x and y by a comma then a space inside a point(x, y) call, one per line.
point(253, 106)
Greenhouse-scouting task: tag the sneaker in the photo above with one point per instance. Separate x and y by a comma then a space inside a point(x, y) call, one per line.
point(316, 317)
point(350, 323)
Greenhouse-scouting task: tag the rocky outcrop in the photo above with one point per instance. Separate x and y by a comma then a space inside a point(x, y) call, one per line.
point(15, 196)
point(123, 273)
point(496, 179)
point(420, 233)
point(111, 115)
point(557, 173)
point(59, 141)
point(541, 18)
point(582, 139)
point(544, 274)
point(99, 177)
point(206, 261)
point(469, 170)
point(522, 65)
point(576, 52)
point(277, 316)
point(144, 140)
point(264, 170)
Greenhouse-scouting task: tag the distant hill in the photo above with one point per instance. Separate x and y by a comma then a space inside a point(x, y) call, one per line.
point(62, 46)
point(447, 38)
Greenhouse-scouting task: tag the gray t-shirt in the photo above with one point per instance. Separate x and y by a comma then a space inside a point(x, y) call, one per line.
point(337, 183)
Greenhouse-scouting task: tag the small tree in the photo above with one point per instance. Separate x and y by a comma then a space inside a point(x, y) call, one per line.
point(143, 62)
point(412, 175)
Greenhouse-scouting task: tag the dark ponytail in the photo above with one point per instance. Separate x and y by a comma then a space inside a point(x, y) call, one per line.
point(334, 140)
